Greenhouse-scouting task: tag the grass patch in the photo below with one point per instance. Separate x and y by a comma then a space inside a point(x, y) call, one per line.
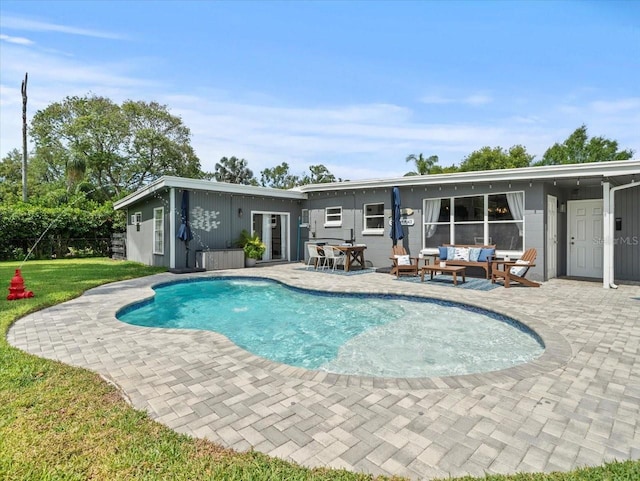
point(63, 423)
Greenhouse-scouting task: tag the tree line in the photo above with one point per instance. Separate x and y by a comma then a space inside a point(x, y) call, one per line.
point(101, 151)
point(578, 148)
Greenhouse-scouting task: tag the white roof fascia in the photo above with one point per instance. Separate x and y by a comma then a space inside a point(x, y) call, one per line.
point(593, 169)
point(206, 185)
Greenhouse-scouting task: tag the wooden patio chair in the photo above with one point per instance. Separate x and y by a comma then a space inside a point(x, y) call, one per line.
point(402, 262)
point(515, 271)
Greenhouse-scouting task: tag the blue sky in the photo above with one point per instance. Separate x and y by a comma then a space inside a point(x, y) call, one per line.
point(356, 86)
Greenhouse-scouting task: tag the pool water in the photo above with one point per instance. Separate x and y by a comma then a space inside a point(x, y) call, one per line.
point(369, 335)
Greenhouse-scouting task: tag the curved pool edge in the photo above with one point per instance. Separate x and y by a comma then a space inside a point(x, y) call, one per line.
point(557, 351)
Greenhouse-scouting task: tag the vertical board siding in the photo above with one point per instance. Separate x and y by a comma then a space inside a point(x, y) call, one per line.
point(627, 240)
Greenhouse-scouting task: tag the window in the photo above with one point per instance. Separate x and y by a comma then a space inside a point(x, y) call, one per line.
point(304, 218)
point(437, 217)
point(468, 215)
point(373, 218)
point(333, 217)
point(490, 218)
point(158, 230)
point(506, 221)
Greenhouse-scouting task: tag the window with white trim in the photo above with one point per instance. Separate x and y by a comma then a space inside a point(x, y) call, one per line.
point(158, 230)
point(333, 217)
point(304, 218)
point(506, 220)
point(373, 218)
point(484, 219)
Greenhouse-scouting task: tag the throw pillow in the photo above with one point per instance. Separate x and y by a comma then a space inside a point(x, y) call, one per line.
point(451, 252)
point(404, 260)
point(485, 253)
point(461, 254)
point(519, 271)
point(442, 253)
point(474, 253)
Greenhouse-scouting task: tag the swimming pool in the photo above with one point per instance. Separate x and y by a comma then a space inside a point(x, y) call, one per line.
point(357, 334)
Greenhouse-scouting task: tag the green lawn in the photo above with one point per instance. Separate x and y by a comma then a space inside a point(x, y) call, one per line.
point(64, 423)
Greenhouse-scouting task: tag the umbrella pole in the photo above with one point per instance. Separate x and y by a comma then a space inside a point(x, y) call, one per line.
point(393, 221)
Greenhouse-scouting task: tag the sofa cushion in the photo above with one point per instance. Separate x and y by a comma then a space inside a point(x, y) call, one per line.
point(485, 253)
point(474, 253)
point(461, 254)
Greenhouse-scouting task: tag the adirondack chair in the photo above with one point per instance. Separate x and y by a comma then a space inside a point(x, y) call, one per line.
point(515, 271)
point(399, 258)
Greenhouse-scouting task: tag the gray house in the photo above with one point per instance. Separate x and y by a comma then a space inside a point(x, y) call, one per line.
point(583, 219)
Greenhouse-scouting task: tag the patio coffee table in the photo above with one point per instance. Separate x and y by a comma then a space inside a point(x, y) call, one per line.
point(453, 270)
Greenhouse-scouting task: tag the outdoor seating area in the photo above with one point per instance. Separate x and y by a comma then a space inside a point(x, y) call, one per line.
point(475, 255)
point(333, 256)
point(454, 259)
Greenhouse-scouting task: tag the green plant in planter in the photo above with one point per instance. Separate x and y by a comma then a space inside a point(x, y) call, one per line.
point(242, 240)
point(254, 248)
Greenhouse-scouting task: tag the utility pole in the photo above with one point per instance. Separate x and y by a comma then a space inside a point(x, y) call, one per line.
point(24, 138)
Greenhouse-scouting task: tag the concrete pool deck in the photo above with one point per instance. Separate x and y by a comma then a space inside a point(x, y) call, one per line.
point(578, 405)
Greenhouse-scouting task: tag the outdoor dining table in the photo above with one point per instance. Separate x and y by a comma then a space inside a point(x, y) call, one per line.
point(352, 254)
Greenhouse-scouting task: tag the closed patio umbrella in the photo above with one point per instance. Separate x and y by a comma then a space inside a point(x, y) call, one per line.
point(397, 232)
point(184, 233)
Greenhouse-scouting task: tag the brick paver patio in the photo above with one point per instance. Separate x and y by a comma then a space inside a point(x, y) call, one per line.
point(578, 405)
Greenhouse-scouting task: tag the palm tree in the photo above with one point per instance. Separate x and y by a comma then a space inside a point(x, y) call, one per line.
point(76, 169)
point(423, 166)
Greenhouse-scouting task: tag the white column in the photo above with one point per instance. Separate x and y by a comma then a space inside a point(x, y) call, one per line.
point(172, 228)
point(607, 228)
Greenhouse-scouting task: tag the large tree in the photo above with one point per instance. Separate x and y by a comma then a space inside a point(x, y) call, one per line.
point(279, 177)
point(11, 175)
point(115, 148)
point(488, 158)
point(578, 149)
point(234, 171)
point(318, 174)
point(424, 166)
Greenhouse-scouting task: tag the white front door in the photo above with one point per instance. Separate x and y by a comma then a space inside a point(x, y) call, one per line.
point(585, 238)
point(551, 253)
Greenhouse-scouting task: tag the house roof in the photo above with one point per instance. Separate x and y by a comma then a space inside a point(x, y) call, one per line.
point(617, 172)
point(206, 185)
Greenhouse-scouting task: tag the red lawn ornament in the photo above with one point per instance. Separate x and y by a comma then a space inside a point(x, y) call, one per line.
point(16, 288)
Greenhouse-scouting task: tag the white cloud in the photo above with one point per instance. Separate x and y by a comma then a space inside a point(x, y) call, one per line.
point(19, 23)
point(473, 100)
point(16, 40)
point(354, 141)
